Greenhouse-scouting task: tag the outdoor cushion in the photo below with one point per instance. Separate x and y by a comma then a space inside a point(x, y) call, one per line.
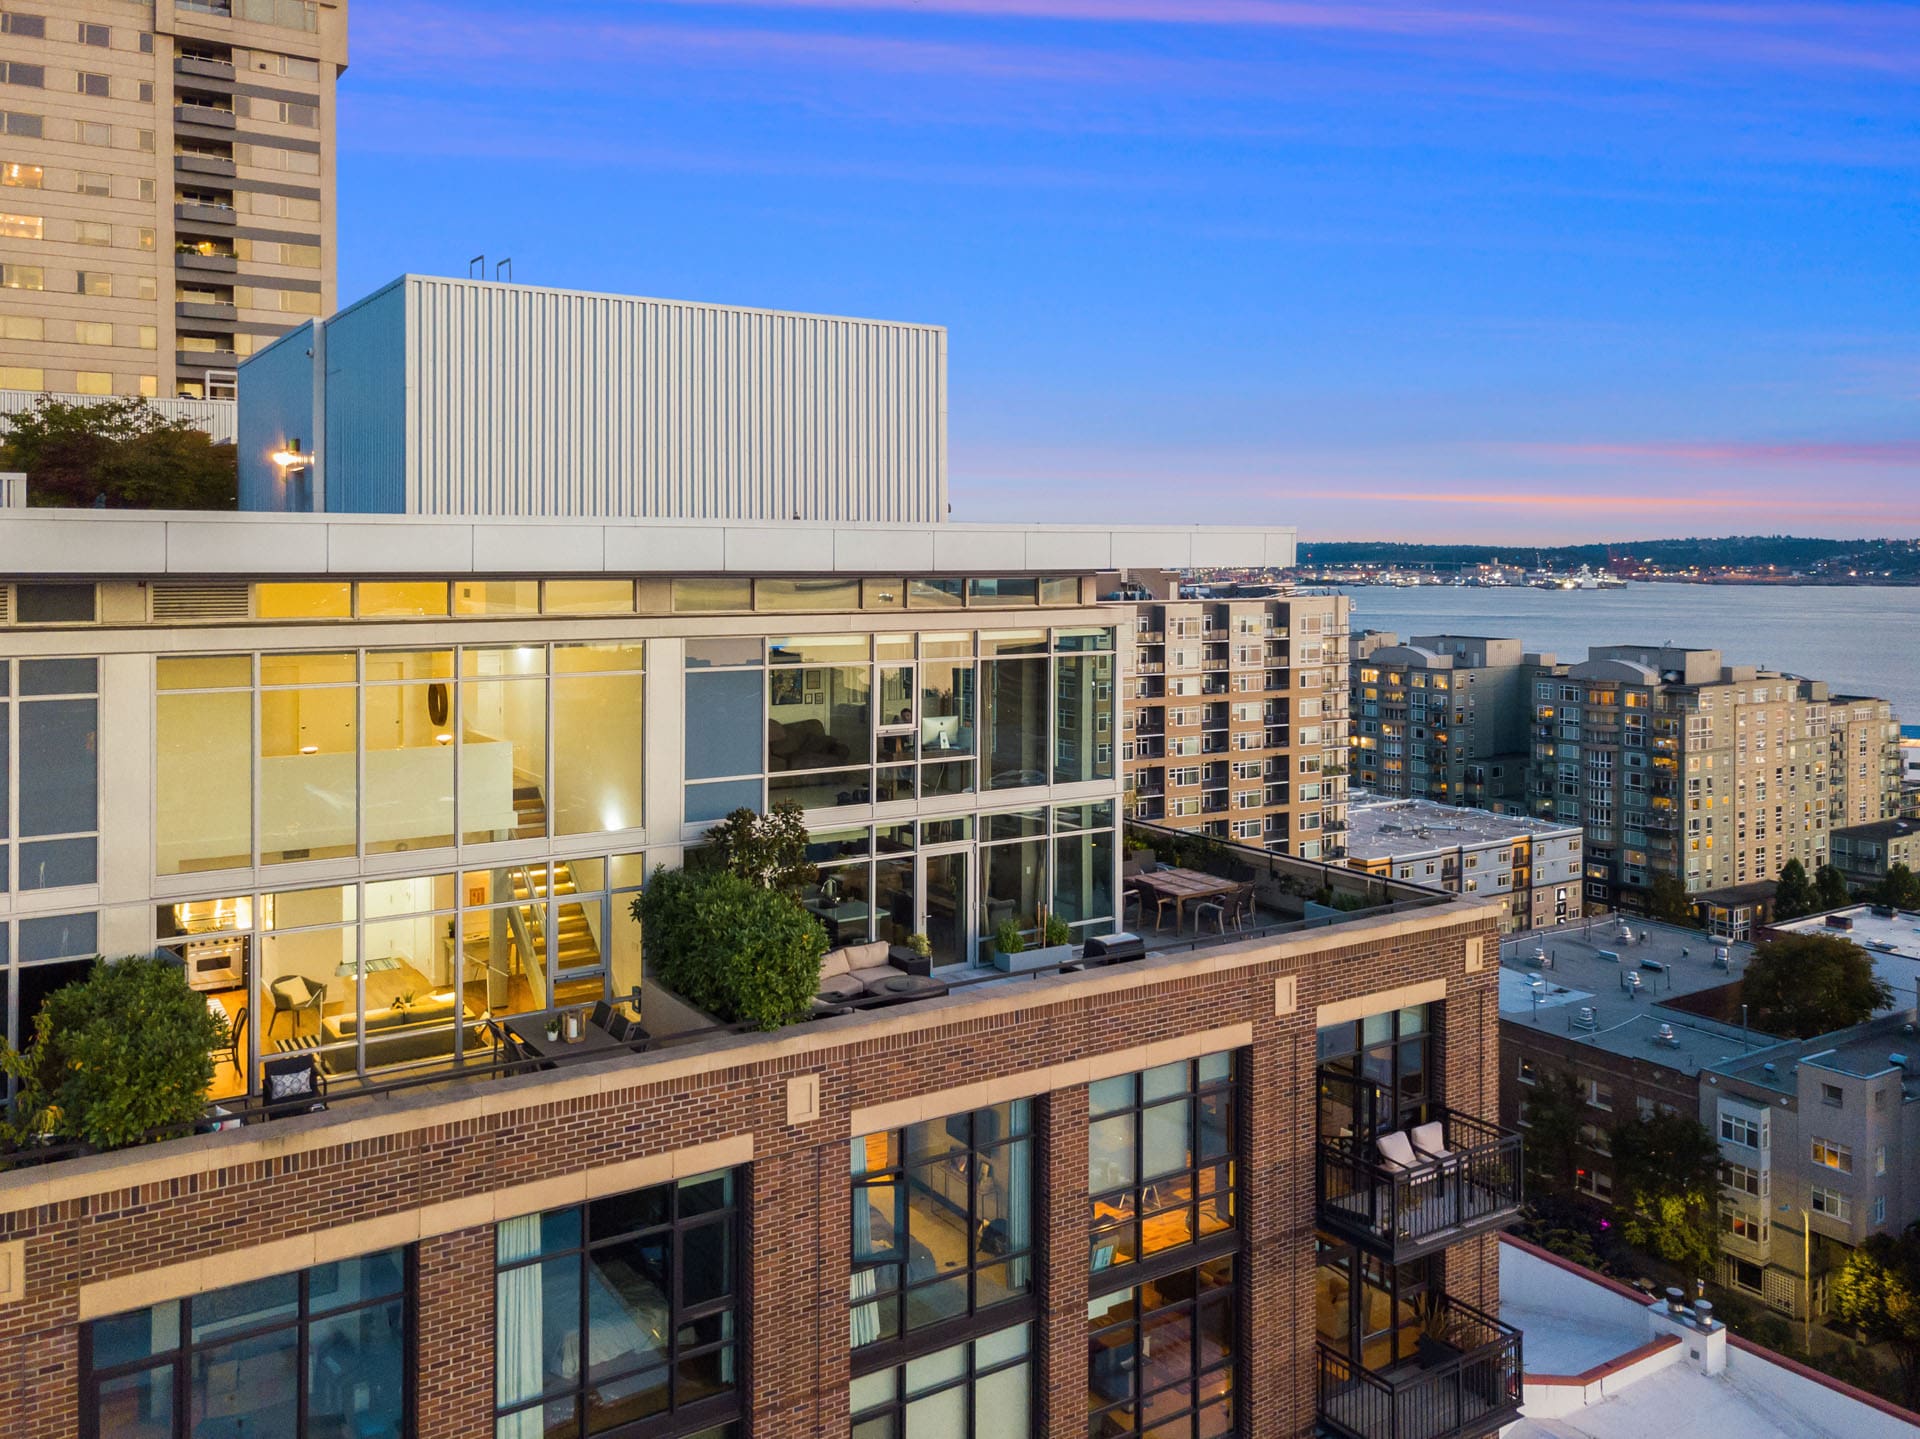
point(1396, 1152)
point(873, 974)
point(1431, 1140)
point(865, 956)
point(288, 1086)
point(841, 986)
point(834, 963)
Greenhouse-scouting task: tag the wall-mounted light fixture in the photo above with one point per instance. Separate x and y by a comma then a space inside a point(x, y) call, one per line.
point(291, 457)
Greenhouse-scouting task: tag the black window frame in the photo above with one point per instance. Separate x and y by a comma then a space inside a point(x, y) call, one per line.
point(895, 1408)
point(1129, 1199)
point(1380, 1104)
point(179, 1359)
point(1224, 1296)
point(897, 1344)
point(693, 1419)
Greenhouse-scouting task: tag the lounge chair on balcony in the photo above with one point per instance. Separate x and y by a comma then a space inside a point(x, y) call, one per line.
point(292, 1084)
point(1424, 1200)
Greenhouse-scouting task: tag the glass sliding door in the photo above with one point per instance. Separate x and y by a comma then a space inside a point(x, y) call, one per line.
point(949, 906)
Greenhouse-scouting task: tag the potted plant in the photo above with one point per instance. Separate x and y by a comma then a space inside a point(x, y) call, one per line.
point(1007, 942)
point(1055, 947)
point(1436, 1344)
point(553, 1029)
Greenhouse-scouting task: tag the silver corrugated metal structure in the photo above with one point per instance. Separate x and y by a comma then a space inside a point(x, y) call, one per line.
point(216, 417)
point(439, 396)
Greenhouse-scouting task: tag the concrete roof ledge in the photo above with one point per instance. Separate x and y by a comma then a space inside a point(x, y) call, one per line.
point(102, 544)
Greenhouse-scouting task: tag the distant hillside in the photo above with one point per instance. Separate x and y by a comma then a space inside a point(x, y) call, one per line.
point(1891, 558)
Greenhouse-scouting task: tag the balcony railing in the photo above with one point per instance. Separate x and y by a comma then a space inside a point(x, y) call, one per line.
point(1405, 1213)
point(1466, 1381)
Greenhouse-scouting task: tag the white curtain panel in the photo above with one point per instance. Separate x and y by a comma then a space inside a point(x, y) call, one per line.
point(518, 1326)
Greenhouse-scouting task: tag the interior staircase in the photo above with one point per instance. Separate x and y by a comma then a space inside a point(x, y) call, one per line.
point(576, 964)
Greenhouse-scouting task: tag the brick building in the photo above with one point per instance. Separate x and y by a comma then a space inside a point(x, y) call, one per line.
point(749, 1225)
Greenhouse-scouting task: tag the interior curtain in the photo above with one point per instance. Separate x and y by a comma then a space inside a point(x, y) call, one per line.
point(518, 1326)
point(863, 1283)
point(1020, 1199)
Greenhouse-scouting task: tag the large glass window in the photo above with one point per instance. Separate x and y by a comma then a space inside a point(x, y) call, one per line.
point(977, 1389)
point(619, 1310)
point(1014, 735)
point(309, 741)
point(1375, 1074)
point(319, 1354)
point(1160, 1356)
point(56, 754)
point(942, 1221)
point(203, 751)
point(598, 704)
point(1160, 1159)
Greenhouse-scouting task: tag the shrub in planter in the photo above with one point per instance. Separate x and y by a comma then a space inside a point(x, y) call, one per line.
point(1056, 931)
point(126, 1050)
point(747, 954)
point(1007, 938)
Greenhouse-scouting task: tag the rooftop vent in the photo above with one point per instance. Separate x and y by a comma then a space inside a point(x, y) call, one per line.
point(1898, 1061)
point(1632, 981)
point(1771, 1069)
point(1667, 1037)
point(1839, 921)
point(1722, 959)
point(1584, 1019)
point(210, 600)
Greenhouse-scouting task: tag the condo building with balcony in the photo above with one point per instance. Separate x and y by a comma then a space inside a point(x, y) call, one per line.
point(1235, 723)
point(1442, 718)
point(385, 778)
point(166, 188)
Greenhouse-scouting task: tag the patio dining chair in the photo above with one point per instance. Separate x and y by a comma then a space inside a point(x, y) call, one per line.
point(295, 994)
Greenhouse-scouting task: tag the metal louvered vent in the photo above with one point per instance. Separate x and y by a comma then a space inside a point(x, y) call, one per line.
point(6, 604)
point(214, 600)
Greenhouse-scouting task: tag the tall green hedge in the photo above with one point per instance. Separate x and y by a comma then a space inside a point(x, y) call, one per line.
point(125, 1050)
point(746, 954)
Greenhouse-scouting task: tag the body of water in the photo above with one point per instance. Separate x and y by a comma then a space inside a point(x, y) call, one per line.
point(1863, 640)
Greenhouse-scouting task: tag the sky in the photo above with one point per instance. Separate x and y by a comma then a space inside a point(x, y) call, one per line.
point(1489, 271)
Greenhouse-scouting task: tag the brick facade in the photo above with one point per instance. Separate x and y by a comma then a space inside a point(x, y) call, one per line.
point(87, 1222)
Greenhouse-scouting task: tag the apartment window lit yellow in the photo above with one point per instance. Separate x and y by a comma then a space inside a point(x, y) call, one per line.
point(145, 287)
point(144, 238)
point(92, 232)
point(95, 282)
point(22, 227)
point(22, 377)
point(92, 382)
point(22, 277)
point(318, 601)
point(22, 327)
point(93, 332)
point(93, 183)
point(149, 337)
point(26, 177)
point(403, 599)
point(149, 386)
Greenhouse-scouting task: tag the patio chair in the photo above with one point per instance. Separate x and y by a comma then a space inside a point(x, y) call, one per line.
point(1219, 907)
point(237, 1038)
point(1130, 900)
point(295, 994)
point(601, 1015)
point(1160, 903)
point(292, 1084)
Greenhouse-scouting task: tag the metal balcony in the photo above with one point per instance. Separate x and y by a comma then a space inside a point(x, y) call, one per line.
point(1403, 1214)
point(1465, 1381)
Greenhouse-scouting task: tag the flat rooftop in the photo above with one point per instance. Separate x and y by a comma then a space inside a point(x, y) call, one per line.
point(104, 544)
point(1576, 974)
point(1861, 1052)
point(1379, 828)
point(1892, 938)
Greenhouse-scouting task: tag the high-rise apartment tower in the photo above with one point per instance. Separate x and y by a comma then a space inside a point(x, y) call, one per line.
point(166, 188)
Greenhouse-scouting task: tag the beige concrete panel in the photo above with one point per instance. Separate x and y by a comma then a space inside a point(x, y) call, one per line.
point(1379, 1002)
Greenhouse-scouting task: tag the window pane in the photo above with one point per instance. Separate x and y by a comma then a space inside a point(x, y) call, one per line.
point(1164, 1139)
point(706, 1254)
point(402, 599)
point(1083, 718)
point(137, 1406)
point(1083, 876)
point(354, 1281)
point(946, 709)
point(627, 1306)
point(537, 1328)
point(503, 755)
point(597, 752)
point(726, 724)
point(939, 1416)
point(309, 780)
point(140, 1335)
point(53, 604)
point(796, 595)
point(698, 596)
point(354, 1379)
point(59, 766)
point(409, 730)
point(1014, 723)
point(1110, 1153)
point(589, 597)
point(496, 597)
point(819, 718)
point(54, 863)
point(303, 601)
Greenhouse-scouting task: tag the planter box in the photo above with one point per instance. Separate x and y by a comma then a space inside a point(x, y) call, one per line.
point(1028, 961)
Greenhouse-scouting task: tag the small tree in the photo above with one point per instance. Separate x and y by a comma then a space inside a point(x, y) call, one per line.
point(1879, 1291)
point(122, 1052)
point(1669, 902)
point(1901, 888)
point(123, 454)
point(1666, 1181)
point(1830, 888)
point(1806, 984)
point(749, 955)
point(1554, 1114)
point(767, 850)
point(1793, 894)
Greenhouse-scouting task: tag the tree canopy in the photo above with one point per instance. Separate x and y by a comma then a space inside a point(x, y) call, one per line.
point(1830, 888)
point(1554, 1107)
point(1806, 984)
point(115, 1055)
point(767, 850)
point(1879, 1290)
point(1666, 1181)
point(121, 454)
point(1669, 902)
point(1793, 893)
point(745, 954)
point(1901, 888)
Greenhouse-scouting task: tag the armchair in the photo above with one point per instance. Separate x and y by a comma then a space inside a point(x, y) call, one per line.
point(294, 994)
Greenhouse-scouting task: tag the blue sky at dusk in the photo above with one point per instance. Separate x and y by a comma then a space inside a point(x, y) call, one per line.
point(1505, 271)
